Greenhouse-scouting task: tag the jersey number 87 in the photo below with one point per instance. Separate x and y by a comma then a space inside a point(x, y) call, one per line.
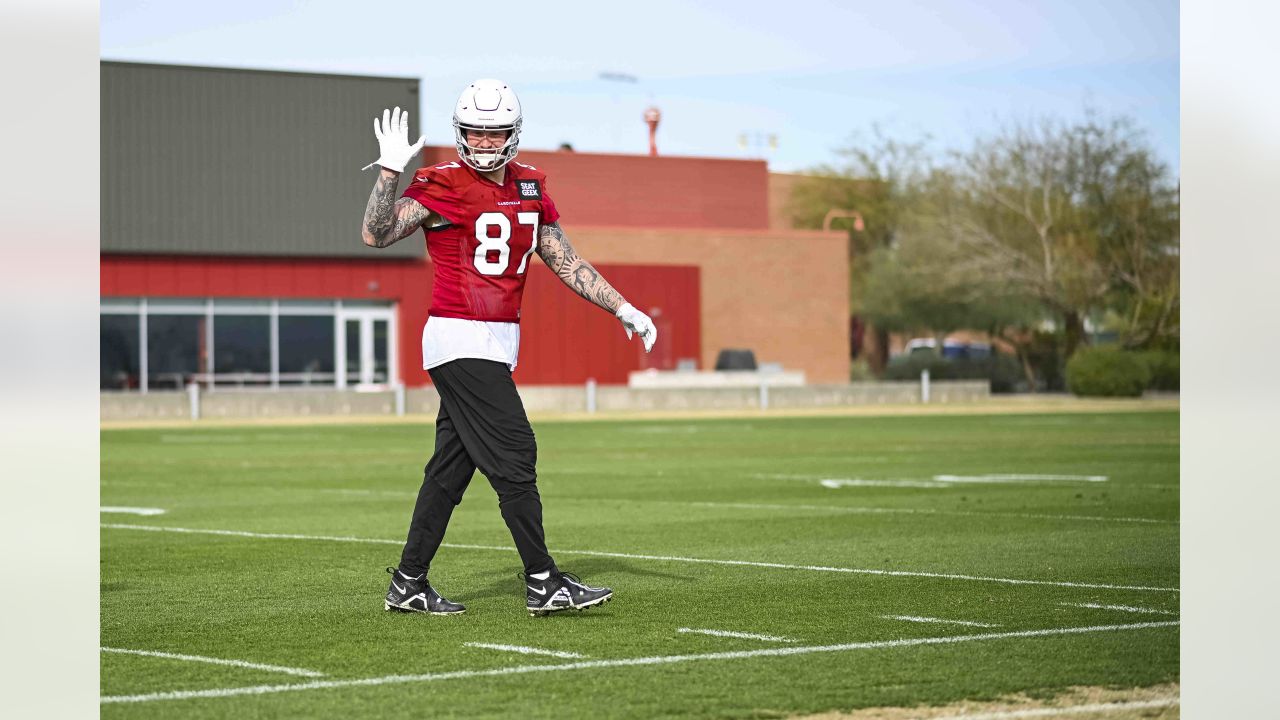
point(488, 242)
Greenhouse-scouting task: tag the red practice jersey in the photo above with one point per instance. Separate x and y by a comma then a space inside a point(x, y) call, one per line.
point(482, 256)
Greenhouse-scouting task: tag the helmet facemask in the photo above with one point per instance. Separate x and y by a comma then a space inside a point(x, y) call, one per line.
point(491, 158)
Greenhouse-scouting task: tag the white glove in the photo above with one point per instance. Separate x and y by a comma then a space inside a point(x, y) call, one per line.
point(635, 321)
point(393, 141)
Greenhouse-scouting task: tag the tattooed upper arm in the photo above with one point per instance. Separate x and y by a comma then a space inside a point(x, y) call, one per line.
point(387, 219)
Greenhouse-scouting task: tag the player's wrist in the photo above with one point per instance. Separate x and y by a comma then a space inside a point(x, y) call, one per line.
point(622, 309)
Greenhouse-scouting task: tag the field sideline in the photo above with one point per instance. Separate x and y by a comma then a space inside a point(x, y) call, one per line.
point(998, 405)
point(765, 566)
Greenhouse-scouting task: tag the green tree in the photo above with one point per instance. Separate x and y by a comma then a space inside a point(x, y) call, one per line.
point(878, 180)
point(1079, 216)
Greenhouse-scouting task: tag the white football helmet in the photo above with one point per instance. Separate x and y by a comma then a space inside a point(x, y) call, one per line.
point(487, 105)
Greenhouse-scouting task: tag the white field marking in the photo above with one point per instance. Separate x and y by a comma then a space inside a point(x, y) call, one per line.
point(916, 618)
point(131, 510)
point(835, 483)
point(926, 511)
point(621, 662)
point(216, 661)
point(525, 650)
point(387, 493)
point(1069, 710)
point(922, 483)
point(731, 634)
point(1121, 608)
point(1019, 478)
point(660, 558)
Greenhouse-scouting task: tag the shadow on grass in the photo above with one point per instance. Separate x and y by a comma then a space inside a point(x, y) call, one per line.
point(589, 570)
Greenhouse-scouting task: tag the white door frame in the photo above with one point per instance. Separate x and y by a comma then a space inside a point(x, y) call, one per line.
point(365, 316)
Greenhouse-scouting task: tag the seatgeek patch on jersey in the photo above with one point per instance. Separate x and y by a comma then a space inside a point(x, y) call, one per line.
point(529, 189)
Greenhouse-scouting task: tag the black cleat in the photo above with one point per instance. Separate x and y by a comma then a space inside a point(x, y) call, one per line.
point(417, 595)
point(562, 591)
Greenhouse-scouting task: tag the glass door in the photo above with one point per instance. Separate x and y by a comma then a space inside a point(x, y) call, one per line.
point(366, 346)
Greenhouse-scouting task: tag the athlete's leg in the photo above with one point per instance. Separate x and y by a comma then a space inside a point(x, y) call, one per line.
point(490, 419)
point(445, 479)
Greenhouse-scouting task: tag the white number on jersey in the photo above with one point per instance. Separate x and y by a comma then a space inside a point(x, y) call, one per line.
point(499, 243)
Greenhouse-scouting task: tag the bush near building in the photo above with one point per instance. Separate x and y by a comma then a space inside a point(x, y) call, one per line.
point(1164, 369)
point(1107, 372)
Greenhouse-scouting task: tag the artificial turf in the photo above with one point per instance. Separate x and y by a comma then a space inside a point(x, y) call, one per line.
point(674, 491)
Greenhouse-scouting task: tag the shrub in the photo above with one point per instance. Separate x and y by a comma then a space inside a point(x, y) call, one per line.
point(1107, 372)
point(1163, 368)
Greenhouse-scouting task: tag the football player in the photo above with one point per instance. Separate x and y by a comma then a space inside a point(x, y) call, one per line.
point(484, 214)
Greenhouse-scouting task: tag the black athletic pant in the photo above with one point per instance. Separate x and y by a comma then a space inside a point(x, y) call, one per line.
point(482, 424)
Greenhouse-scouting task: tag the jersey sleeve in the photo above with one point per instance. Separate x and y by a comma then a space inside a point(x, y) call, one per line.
point(549, 212)
point(433, 191)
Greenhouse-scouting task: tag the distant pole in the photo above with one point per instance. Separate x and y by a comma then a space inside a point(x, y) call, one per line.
point(651, 116)
point(591, 395)
point(193, 400)
point(924, 386)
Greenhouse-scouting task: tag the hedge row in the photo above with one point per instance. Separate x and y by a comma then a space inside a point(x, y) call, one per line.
point(1111, 372)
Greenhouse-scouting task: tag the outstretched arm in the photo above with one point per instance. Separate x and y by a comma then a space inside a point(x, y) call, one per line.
point(386, 219)
point(574, 271)
point(556, 251)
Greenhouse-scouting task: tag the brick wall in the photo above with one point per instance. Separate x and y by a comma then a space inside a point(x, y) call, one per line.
point(783, 294)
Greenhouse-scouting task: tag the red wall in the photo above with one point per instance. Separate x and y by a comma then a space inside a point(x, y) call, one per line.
point(565, 339)
point(643, 191)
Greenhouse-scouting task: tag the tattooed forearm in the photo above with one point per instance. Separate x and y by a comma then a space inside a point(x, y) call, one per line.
point(386, 219)
point(556, 251)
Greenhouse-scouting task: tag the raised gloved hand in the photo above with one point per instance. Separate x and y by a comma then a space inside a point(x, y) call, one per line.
point(393, 141)
point(635, 321)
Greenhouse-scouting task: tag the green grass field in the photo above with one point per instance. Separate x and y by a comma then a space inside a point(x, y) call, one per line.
point(671, 514)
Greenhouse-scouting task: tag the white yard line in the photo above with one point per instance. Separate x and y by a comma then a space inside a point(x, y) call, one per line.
point(834, 483)
point(621, 662)
point(216, 661)
point(384, 493)
point(1068, 710)
point(916, 618)
point(131, 510)
point(524, 650)
point(659, 558)
point(1018, 478)
point(924, 511)
point(731, 634)
point(1122, 608)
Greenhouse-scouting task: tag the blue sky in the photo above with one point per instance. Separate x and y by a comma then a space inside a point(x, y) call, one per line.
point(815, 74)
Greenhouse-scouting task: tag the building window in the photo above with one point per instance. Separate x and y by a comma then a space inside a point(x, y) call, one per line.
point(166, 344)
point(306, 350)
point(177, 349)
point(119, 352)
point(242, 349)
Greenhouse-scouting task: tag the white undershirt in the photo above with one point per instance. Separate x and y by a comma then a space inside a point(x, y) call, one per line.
point(445, 339)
